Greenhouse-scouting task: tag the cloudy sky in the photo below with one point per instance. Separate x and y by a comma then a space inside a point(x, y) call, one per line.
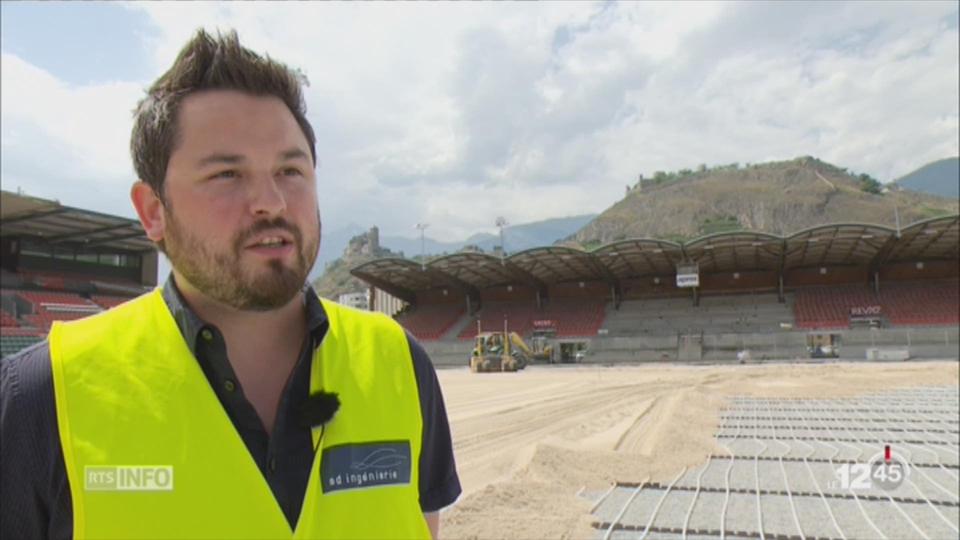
point(453, 114)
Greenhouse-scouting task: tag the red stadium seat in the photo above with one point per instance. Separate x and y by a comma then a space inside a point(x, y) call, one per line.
point(571, 318)
point(519, 318)
point(575, 317)
point(901, 303)
point(8, 320)
point(921, 303)
point(429, 323)
point(56, 306)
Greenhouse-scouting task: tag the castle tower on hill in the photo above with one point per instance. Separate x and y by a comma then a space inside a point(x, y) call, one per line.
point(373, 240)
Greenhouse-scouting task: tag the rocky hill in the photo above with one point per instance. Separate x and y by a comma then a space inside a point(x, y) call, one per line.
point(778, 197)
point(336, 280)
point(331, 276)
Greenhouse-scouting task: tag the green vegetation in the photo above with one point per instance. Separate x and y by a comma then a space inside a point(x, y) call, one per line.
point(337, 279)
point(591, 245)
point(663, 177)
point(869, 184)
point(931, 212)
point(719, 224)
point(677, 238)
point(426, 259)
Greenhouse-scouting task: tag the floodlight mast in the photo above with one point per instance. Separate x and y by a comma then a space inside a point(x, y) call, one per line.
point(423, 254)
point(501, 223)
point(896, 216)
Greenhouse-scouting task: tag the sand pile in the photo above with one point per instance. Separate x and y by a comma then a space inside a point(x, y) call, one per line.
point(526, 443)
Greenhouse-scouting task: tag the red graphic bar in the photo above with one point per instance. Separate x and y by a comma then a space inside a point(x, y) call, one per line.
point(886, 453)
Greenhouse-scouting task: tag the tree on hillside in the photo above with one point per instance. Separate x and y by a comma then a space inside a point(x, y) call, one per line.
point(869, 184)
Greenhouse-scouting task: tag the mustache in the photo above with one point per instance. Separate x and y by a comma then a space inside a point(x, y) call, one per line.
point(269, 225)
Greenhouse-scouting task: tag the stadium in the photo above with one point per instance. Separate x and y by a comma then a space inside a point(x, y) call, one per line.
point(705, 389)
point(64, 263)
point(855, 290)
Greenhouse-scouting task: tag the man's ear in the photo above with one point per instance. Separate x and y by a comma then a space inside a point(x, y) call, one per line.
point(150, 210)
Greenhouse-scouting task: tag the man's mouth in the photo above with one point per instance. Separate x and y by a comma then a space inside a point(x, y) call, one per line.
point(274, 239)
point(271, 241)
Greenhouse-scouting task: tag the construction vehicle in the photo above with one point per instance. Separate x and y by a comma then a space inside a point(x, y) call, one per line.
point(492, 352)
point(499, 351)
point(539, 349)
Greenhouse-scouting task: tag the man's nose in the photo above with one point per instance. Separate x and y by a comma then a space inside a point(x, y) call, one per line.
point(267, 198)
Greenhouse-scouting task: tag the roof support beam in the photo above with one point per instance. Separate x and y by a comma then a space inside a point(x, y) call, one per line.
point(454, 282)
point(115, 239)
point(594, 262)
point(63, 237)
point(35, 215)
point(402, 293)
point(525, 276)
point(883, 254)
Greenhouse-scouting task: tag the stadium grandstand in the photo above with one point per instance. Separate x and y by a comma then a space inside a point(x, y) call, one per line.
point(842, 289)
point(64, 263)
point(849, 289)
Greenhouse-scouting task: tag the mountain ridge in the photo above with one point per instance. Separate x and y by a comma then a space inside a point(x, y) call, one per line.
point(941, 177)
point(780, 198)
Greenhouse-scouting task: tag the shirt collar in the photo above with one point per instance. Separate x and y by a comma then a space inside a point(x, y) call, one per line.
point(191, 325)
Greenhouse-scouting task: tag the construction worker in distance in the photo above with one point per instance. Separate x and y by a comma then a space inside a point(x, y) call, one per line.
point(230, 402)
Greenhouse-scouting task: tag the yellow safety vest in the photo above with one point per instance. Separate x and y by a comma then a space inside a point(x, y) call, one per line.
point(151, 453)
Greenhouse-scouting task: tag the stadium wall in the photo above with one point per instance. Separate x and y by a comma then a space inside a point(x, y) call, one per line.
point(509, 293)
point(739, 281)
point(647, 287)
point(835, 275)
point(437, 296)
point(922, 343)
point(449, 354)
point(906, 271)
point(591, 290)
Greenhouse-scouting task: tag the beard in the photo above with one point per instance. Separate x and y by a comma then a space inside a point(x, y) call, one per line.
point(221, 275)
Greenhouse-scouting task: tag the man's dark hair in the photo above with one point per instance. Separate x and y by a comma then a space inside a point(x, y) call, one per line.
point(207, 63)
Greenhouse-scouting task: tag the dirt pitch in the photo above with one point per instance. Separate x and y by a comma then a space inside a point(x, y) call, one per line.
point(527, 443)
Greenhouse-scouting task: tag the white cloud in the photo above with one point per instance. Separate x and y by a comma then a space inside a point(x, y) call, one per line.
point(457, 113)
point(75, 137)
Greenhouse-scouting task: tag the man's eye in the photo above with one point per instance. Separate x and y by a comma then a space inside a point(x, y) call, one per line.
point(226, 174)
point(292, 171)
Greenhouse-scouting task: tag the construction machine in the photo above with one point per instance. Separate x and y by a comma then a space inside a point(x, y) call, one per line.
point(539, 350)
point(492, 352)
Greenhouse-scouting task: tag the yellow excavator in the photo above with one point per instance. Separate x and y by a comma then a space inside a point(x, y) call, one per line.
point(539, 349)
point(493, 353)
point(506, 351)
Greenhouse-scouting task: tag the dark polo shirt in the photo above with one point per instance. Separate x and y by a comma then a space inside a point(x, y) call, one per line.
point(35, 494)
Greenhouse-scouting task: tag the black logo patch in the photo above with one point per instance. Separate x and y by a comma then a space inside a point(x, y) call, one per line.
point(365, 465)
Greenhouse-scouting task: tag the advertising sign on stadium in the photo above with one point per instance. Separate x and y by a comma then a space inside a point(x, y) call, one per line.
point(688, 275)
point(544, 323)
point(865, 311)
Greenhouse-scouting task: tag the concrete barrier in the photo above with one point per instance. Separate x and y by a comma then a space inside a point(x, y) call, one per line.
point(921, 343)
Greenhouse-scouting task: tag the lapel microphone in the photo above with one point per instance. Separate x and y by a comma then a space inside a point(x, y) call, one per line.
point(318, 409)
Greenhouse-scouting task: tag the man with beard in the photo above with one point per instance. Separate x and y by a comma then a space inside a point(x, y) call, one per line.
point(232, 401)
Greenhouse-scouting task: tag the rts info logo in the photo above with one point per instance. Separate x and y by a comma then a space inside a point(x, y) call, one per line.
point(886, 470)
point(128, 478)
